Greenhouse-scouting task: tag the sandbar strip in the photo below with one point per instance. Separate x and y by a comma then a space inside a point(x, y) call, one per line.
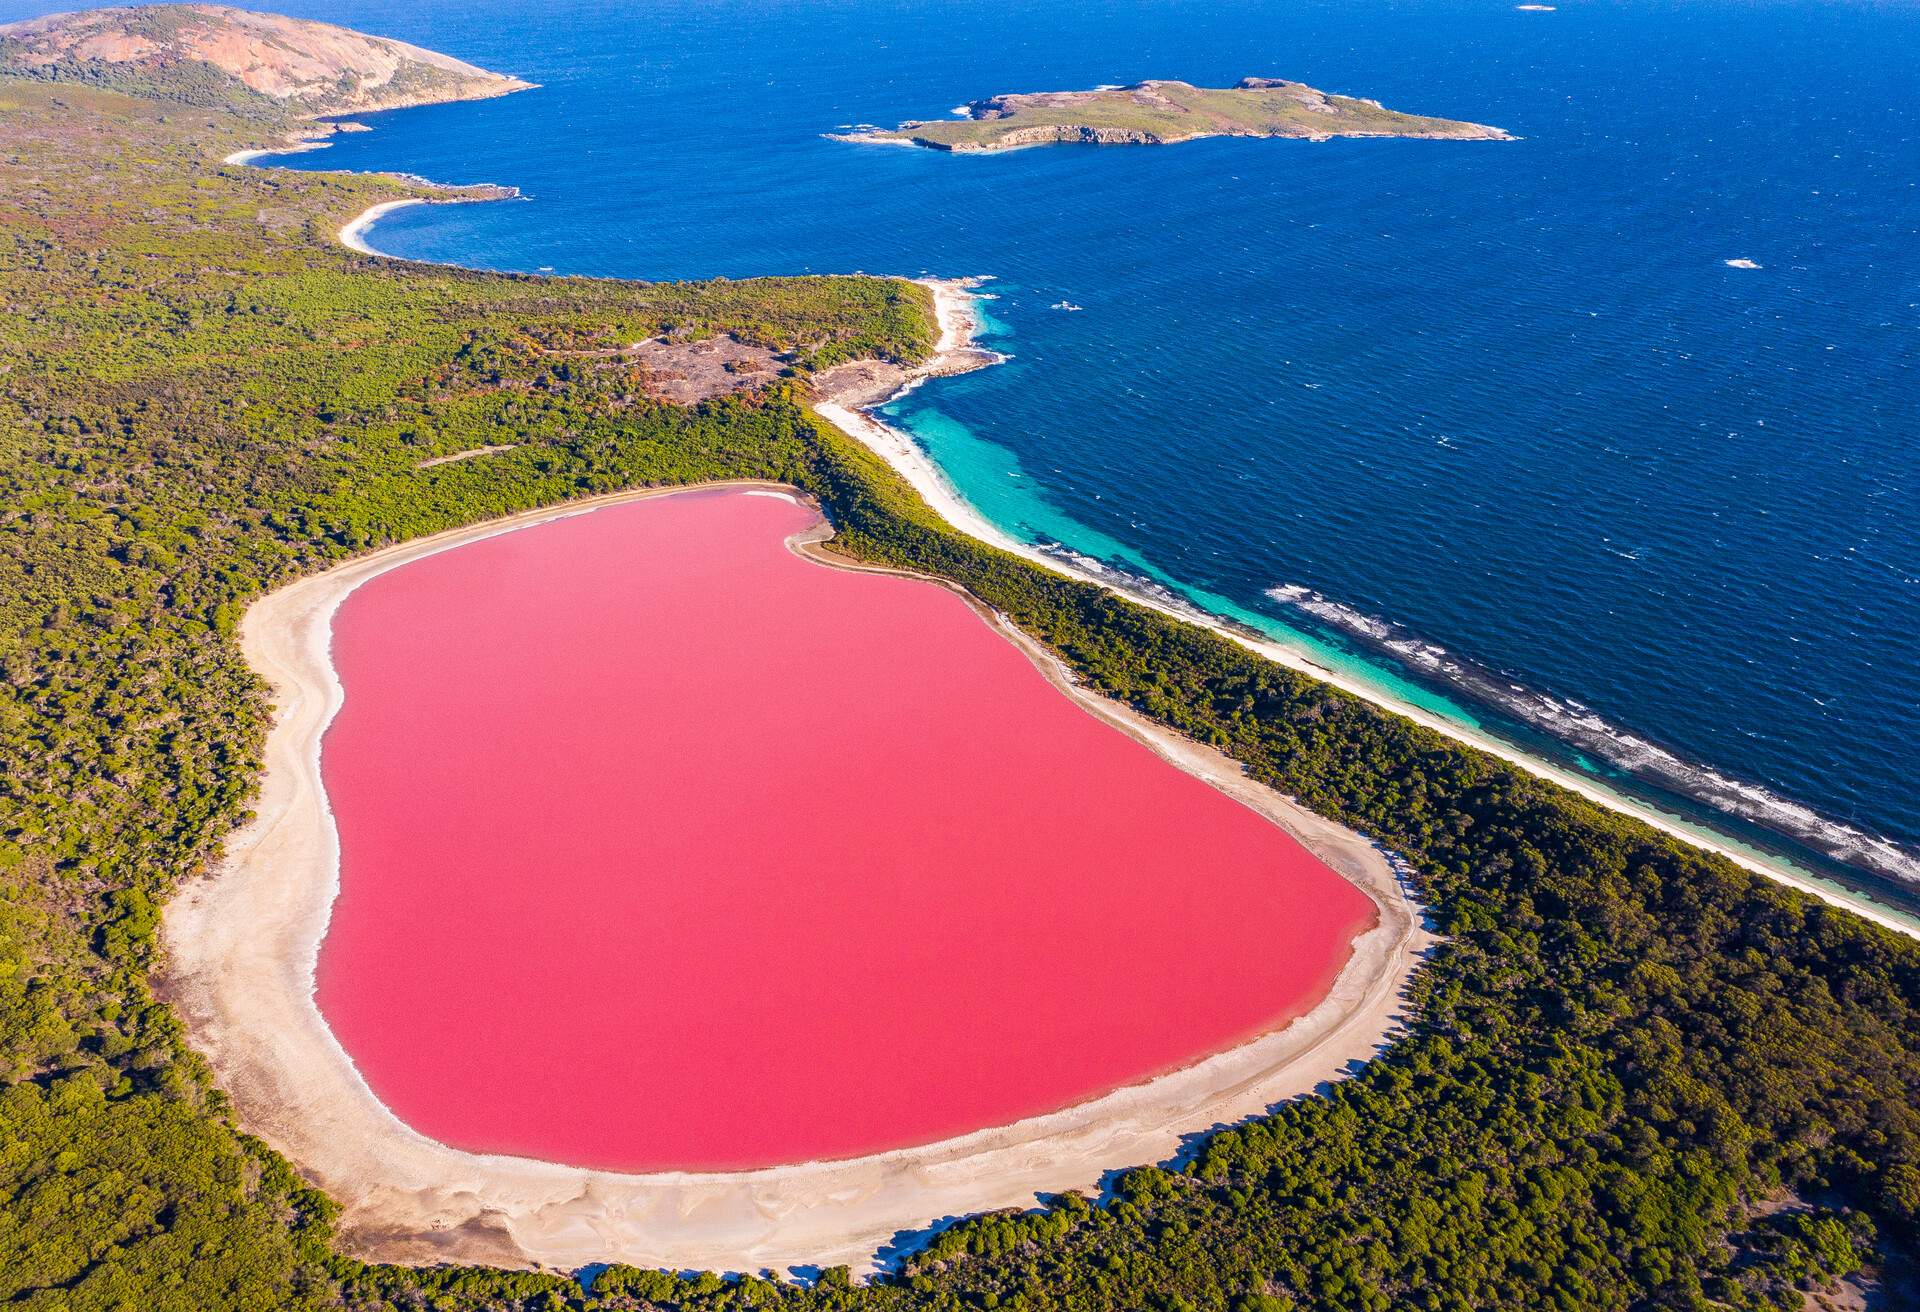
point(959, 322)
point(242, 942)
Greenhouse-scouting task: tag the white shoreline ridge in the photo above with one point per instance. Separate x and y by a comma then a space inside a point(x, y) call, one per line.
point(959, 324)
point(353, 235)
point(242, 942)
point(258, 152)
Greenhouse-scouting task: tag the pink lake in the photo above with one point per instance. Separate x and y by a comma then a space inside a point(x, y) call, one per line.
point(663, 848)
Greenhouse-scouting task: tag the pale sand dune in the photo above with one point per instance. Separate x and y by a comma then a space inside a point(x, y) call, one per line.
point(241, 945)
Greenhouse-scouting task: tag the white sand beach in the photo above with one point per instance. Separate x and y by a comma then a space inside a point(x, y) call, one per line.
point(353, 235)
point(959, 323)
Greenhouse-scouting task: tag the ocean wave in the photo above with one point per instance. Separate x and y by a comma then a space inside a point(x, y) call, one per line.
point(1581, 727)
point(1140, 585)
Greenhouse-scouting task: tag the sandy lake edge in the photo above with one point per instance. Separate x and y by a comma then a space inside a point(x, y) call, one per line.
point(242, 942)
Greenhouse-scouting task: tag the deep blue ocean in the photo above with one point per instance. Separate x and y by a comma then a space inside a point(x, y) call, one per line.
point(1498, 419)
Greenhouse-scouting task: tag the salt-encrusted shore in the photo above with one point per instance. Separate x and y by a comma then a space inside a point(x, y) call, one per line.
point(242, 943)
point(955, 353)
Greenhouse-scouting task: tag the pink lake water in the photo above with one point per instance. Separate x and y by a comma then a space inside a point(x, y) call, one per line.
point(664, 848)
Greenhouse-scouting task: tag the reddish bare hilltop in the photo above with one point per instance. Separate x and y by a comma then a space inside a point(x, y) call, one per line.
point(211, 54)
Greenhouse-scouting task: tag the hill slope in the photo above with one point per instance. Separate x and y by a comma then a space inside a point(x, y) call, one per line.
point(210, 55)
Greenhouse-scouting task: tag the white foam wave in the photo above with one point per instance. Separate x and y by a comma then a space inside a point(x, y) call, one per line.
point(1582, 727)
point(1126, 581)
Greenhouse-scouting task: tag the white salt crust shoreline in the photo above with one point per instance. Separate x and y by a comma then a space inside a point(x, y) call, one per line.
point(953, 305)
point(242, 942)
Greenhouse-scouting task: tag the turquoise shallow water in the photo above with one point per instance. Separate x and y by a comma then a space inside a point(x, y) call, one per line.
point(1495, 422)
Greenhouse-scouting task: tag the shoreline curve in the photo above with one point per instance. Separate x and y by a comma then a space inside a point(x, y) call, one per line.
point(242, 942)
point(352, 234)
point(955, 353)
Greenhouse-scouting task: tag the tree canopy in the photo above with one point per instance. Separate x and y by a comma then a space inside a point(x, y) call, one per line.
point(1637, 1075)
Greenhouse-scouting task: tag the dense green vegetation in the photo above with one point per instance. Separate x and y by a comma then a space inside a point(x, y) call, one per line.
point(1638, 1076)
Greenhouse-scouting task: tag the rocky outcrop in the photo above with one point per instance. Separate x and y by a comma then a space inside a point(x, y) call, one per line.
point(1055, 135)
point(1161, 111)
point(213, 54)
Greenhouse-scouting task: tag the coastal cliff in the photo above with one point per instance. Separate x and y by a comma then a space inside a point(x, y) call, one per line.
point(211, 55)
point(1161, 112)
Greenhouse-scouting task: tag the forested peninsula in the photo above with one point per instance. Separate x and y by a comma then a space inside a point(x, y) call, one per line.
point(1636, 1076)
point(1159, 112)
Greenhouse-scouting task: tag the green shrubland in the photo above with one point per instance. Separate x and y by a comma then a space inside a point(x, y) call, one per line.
point(1627, 1055)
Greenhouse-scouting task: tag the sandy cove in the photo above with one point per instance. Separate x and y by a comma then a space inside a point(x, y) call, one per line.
point(848, 408)
point(242, 943)
point(353, 235)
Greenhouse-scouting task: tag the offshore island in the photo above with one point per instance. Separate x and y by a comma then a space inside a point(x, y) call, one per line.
point(1160, 112)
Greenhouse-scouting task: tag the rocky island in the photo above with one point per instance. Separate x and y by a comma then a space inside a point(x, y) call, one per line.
point(211, 55)
point(1156, 113)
